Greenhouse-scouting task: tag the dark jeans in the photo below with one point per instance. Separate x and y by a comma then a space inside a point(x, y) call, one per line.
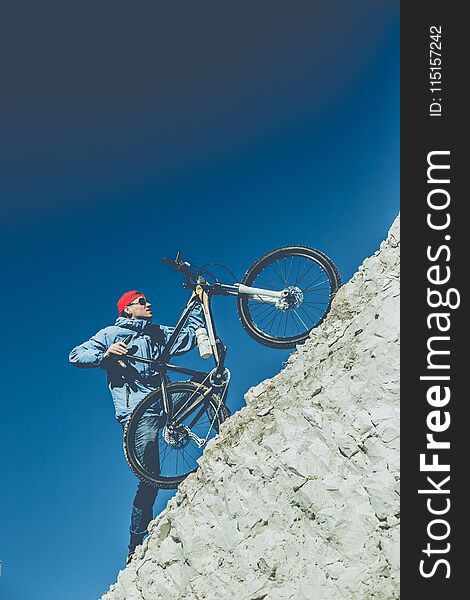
point(142, 506)
point(142, 509)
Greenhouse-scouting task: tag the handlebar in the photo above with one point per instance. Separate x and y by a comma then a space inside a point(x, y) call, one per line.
point(192, 273)
point(169, 263)
point(177, 264)
point(181, 266)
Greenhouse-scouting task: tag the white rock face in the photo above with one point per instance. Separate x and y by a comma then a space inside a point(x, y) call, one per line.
point(298, 496)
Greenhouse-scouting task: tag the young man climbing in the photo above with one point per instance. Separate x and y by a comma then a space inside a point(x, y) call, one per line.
point(134, 333)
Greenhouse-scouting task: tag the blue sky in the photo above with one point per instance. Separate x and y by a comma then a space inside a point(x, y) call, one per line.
point(130, 133)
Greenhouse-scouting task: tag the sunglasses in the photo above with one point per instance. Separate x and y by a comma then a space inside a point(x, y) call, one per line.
point(142, 301)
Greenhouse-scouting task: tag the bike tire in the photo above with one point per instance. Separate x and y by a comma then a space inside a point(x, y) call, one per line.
point(147, 411)
point(286, 262)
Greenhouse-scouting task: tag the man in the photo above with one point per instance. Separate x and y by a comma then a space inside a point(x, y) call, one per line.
point(134, 334)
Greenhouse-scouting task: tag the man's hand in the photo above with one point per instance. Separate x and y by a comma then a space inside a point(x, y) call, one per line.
point(199, 292)
point(118, 349)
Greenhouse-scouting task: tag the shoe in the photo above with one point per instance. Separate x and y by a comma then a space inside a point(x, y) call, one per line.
point(136, 540)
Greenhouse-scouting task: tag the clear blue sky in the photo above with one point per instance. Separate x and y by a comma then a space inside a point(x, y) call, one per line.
point(132, 130)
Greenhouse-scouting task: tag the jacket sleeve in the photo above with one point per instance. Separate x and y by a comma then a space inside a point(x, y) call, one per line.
point(186, 340)
point(90, 354)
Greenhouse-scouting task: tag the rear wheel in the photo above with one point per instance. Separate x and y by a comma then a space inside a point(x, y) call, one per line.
point(163, 456)
point(308, 280)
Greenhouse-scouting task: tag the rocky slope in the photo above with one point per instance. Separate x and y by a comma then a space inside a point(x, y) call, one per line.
point(298, 496)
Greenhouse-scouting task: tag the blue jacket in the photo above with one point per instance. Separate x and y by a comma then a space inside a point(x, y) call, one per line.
point(129, 385)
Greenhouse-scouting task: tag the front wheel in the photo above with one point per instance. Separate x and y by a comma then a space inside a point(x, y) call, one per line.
point(308, 280)
point(163, 456)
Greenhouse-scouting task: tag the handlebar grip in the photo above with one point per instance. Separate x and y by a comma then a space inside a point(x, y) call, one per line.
point(168, 262)
point(177, 265)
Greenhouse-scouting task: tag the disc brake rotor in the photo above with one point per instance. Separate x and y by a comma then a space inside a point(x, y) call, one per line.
point(292, 297)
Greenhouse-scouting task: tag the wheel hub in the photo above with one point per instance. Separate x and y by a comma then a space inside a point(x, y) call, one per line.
point(176, 437)
point(291, 298)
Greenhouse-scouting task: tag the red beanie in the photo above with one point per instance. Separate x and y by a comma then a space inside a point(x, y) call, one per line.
point(126, 299)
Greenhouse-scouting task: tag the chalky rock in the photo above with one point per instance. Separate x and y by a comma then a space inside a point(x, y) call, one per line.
point(298, 497)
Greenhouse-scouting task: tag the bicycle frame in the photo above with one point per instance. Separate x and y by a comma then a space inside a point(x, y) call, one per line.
point(162, 364)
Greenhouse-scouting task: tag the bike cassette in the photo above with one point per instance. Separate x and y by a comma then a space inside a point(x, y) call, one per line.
point(179, 437)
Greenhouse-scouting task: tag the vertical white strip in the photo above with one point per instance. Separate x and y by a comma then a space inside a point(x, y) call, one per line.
point(210, 330)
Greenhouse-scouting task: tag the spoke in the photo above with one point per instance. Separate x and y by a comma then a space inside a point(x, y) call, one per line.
point(280, 271)
point(290, 267)
point(320, 315)
point(298, 270)
point(269, 324)
point(294, 322)
point(316, 295)
point(260, 306)
point(262, 318)
point(300, 318)
point(274, 319)
point(306, 267)
point(274, 272)
point(285, 271)
point(267, 283)
point(266, 316)
point(166, 449)
point(289, 316)
point(184, 458)
point(279, 324)
point(315, 303)
point(274, 313)
point(191, 446)
point(305, 273)
point(315, 285)
point(309, 317)
point(167, 452)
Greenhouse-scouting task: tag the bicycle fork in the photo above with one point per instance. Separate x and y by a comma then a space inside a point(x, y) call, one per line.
point(253, 293)
point(167, 405)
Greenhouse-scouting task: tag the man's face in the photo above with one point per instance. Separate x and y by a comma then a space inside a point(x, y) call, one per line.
point(140, 308)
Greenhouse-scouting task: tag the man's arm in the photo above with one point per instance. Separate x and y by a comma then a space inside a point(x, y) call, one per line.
point(186, 339)
point(91, 353)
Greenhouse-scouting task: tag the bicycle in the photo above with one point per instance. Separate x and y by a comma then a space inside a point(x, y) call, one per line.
point(281, 298)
